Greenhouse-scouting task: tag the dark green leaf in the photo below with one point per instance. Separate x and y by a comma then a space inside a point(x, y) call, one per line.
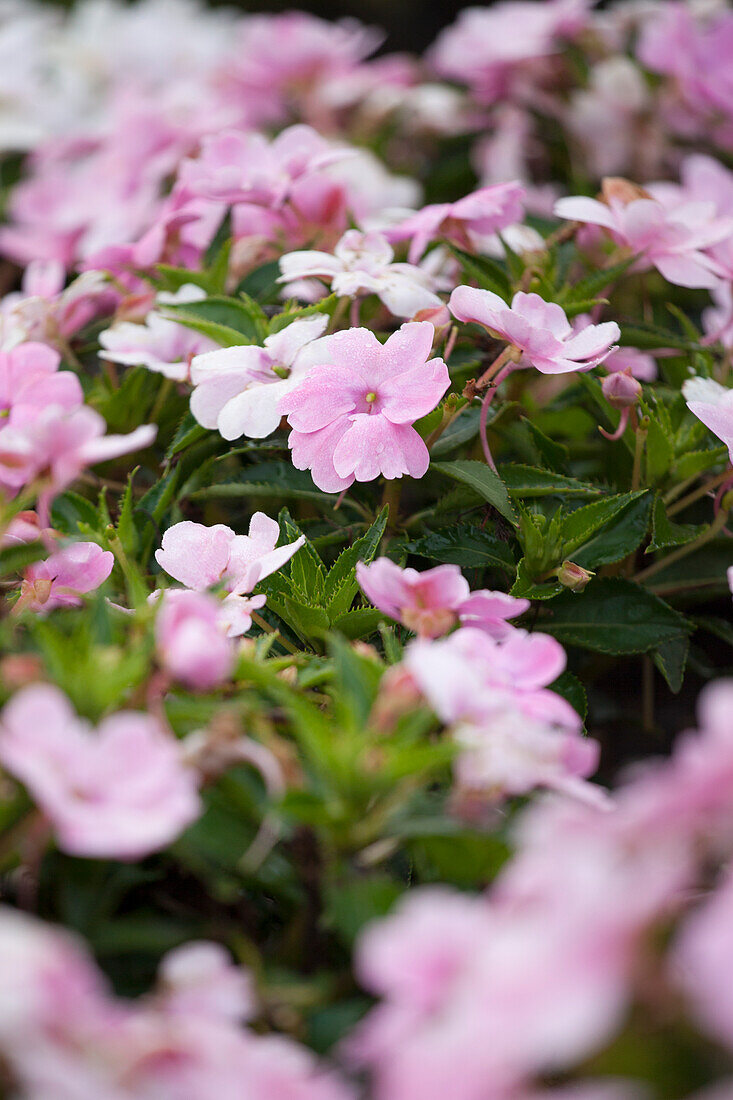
point(482, 479)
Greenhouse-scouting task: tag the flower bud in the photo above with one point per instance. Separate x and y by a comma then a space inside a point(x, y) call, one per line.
point(439, 318)
point(620, 190)
point(573, 576)
point(621, 389)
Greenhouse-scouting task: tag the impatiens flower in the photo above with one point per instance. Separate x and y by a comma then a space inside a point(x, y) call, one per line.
point(479, 214)
point(61, 579)
point(160, 344)
point(713, 404)
point(470, 677)
point(432, 602)
point(362, 263)
point(57, 444)
point(540, 330)
point(119, 792)
point(200, 556)
point(30, 380)
point(237, 389)
point(47, 311)
point(200, 979)
point(352, 416)
point(673, 240)
point(717, 321)
point(511, 754)
point(191, 641)
point(247, 168)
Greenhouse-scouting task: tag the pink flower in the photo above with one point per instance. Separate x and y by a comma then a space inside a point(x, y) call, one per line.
point(352, 416)
point(234, 167)
point(160, 344)
point(512, 754)
point(199, 979)
point(119, 792)
point(483, 212)
point(673, 240)
point(30, 380)
point(200, 556)
point(44, 310)
point(713, 405)
point(190, 639)
point(539, 329)
point(61, 579)
point(632, 361)
point(58, 444)
point(470, 677)
point(362, 264)
point(237, 389)
point(484, 47)
point(703, 962)
point(432, 602)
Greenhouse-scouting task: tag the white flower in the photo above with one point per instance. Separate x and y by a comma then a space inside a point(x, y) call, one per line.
point(362, 264)
point(238, 388)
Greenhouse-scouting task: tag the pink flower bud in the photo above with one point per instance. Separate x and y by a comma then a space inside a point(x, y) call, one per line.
point(191, 643)
point(620, 389)
point(573, 576)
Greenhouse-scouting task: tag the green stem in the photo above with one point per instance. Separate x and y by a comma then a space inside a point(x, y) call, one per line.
point(715, 527)
point(701, 492)
point(264, 625)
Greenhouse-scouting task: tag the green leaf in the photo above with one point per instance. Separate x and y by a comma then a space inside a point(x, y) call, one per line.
point(307, 621)
point(570, 687)
point(466, 545)
point(307, 571)
point(188, 431)
point(70, 510)
point(482, 479)
point(695, 462)
point(126, 530)
point(530, 481)
point(650, 337)
point(526, 587)
point(15, 558)
point(665, 533)
point(659, 452)
point(226, 320)
point(553, 454)
point(614, 616)
point(579, 525)
point(671, 660)
point(487, 273)
point(325, 306)
point(353, 902)
point(268, 479)
point(592, 285)
point(359, 623)
point(463, 429)
point(341, 577)
point(619, 538)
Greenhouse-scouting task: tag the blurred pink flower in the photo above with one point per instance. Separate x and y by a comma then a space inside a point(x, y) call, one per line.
point(237, 389)
point(483, 212)
point(431, 602)
point(539, 329)
point(119, 792)
point(160, 344)
point(30, 380)
point(675, 240)
point(190, 639)
point(61, 579)
point(352, 416)
point(199, 979)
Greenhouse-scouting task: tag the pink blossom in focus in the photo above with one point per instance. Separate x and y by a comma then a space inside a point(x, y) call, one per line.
point(539, 329)
point(191, 643)
point(713, 405)
point(431, 602)
point(61, 579)
point(200, 556)
point(362, 263)
point(160, 344)
point(352, 416)
point(483, 212)
point(119, 792)
point(237, 389)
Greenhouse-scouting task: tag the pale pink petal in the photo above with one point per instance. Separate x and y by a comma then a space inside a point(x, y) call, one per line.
point(195, 555)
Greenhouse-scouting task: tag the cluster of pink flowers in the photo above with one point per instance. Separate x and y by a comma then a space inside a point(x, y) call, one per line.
point(63, 1032)
point(480, 996)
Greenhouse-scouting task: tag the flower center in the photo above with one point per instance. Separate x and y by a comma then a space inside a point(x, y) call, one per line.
point(370, 398)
